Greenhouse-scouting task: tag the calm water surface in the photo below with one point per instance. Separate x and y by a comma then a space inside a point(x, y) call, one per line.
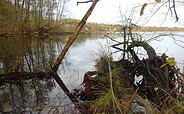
point(33, 54)
point(82, 56)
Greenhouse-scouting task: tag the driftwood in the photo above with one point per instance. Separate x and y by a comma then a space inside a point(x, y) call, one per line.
point(74, 36)
point(64, 51)
point(20, 76)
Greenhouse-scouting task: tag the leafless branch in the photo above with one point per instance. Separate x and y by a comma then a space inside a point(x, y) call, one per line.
point(174, 8)
point(84, 2)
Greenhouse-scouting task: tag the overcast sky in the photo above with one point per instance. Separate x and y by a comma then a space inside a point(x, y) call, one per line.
point(109, 11)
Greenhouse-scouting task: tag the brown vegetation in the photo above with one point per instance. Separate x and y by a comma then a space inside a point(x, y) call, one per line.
point(114, 89)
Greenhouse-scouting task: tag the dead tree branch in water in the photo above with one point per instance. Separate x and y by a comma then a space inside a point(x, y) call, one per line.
point(15, 77)
point(74, 36)
point(64, 51)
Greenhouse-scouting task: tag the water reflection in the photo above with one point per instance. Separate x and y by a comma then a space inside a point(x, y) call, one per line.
point(39, 54)
point(26, 54)
point(25, 97)
point(32, 54)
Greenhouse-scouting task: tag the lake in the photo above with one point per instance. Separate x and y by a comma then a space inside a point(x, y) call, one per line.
point(39, 54)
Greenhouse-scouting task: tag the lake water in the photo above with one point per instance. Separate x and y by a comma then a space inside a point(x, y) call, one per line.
point(34, 53)
point(82, 56)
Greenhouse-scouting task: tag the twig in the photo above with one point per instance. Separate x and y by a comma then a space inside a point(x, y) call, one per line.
point(130, 101)
point(84, 2)
point(174, 7)
point(112, 90)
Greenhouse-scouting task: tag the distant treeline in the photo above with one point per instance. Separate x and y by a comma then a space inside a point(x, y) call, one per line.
point(46, 16)
point(68, 25)
point(155, 28)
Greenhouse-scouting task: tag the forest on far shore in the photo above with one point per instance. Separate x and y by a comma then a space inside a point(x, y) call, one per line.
point(40, 17)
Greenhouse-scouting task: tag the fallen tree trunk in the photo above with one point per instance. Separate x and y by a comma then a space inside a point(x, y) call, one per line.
point(74, 36)
point(64, 51)
point(20, 76)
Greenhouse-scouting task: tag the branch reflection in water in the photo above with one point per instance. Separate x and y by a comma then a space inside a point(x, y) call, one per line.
point(34, 54)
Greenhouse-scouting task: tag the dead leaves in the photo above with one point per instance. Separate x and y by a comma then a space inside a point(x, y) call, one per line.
point(158, 1)
point(144, 5)
point(142, 9)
